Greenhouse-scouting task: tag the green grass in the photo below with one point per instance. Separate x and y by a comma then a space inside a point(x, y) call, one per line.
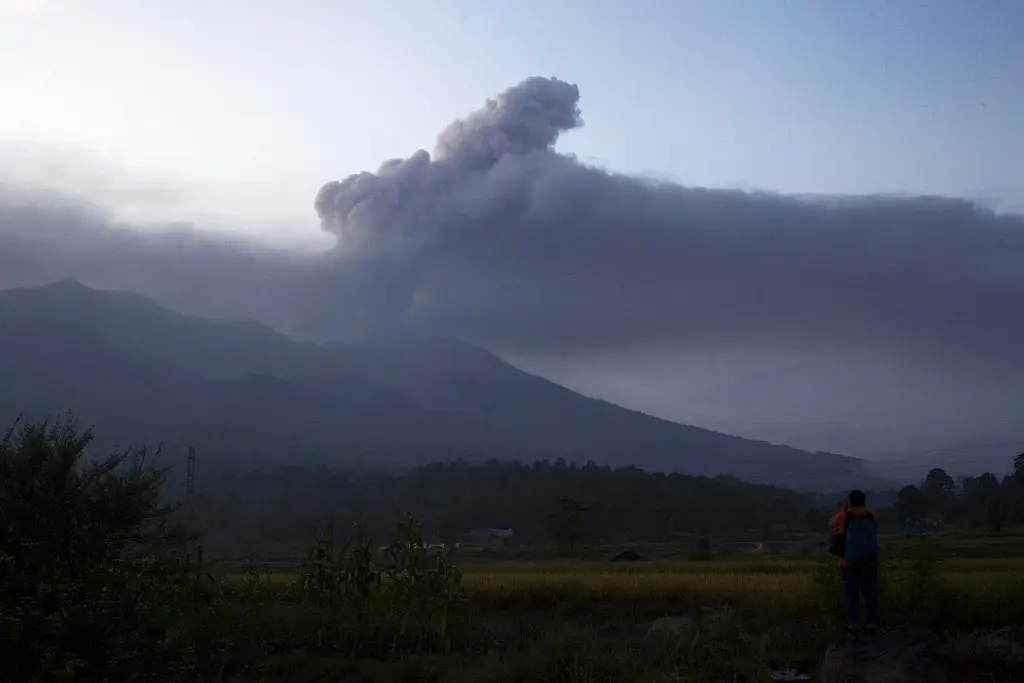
point(985, 589)
point(576, 620)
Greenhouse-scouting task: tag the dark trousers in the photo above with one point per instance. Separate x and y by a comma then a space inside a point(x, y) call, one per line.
point(858, 581)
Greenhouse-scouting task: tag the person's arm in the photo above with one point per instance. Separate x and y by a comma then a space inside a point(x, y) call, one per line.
point(836, 522)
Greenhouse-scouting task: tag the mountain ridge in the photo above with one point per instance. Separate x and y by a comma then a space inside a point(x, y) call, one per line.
point(249, 394)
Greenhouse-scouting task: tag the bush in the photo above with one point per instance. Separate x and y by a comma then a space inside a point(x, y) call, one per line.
point(414, 591)
point(89, 558)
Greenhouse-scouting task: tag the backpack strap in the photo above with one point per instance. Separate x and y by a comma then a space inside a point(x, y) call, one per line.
point(850, 516)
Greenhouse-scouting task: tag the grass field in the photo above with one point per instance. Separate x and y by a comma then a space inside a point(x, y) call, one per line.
point(985, 590)
point(577, 621)
point(789, 588)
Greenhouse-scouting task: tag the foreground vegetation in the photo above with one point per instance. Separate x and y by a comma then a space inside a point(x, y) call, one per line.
point(102, 585)
point(985, 591)
point(583, 621)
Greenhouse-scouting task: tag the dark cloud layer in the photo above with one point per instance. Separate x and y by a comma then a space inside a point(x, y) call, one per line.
point(497, 238)
point(500, 237)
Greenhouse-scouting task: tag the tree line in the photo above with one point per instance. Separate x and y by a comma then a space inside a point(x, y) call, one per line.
point(282, 511)
point(541, 502)
point(569, 504)
point(984, 501)
point(545, 502)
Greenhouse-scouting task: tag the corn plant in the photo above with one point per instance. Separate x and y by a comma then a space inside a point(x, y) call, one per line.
point(411, 588)
point(424, 586)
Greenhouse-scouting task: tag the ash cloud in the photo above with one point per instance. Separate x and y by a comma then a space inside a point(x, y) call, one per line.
point(497, 238)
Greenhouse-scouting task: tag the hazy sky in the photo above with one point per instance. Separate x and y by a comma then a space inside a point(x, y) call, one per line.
point(244, 105)
point(852, 328)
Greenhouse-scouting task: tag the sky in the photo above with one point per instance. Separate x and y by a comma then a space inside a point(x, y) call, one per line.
point(867, 326)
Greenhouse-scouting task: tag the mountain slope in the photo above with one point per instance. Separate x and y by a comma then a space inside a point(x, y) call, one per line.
point(243, 392)
point(240, 390)
point(467, 380)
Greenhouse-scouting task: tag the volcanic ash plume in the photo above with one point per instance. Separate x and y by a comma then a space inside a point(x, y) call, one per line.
point(474, 173)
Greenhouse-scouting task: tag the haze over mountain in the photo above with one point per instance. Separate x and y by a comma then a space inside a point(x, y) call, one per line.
point(249, 397)
point(866, 301)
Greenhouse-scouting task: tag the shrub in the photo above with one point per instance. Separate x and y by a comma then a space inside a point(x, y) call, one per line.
point(413, 591)
point(89, 558)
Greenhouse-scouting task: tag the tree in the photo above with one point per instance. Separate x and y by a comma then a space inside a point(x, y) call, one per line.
point(566, 522)
point(911, 504)
point(938, 483)
point(940, 489)
point(983, 501)
point(1014, 485)
point(83, 546)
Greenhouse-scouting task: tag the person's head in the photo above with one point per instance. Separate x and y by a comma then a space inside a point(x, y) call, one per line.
point(857, 498)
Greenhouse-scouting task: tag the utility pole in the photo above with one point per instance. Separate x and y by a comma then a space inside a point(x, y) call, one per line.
point(190, 481)
point(190, 489)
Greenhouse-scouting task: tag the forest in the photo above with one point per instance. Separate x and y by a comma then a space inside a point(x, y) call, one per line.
point(281, 510)
point(983, 501)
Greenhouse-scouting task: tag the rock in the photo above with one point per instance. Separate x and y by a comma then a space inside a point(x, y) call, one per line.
point(627, 556)
point(903, 655)
point(679, 626)
point(1008, 643)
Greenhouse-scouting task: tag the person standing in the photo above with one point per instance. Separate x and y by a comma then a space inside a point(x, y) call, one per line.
point(855, 541)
